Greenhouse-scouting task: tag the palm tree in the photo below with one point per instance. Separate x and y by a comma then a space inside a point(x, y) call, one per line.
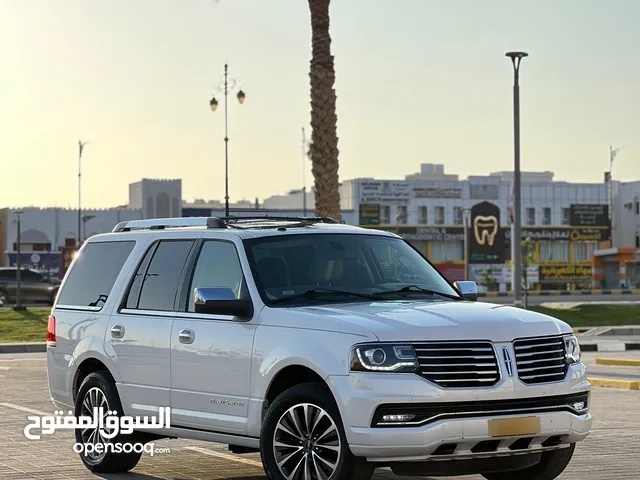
point(324, 139)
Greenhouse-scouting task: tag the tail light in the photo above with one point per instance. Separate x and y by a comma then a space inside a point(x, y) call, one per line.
point(51, 331)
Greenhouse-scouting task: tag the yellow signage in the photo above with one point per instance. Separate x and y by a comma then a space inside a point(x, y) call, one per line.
point(485, 229)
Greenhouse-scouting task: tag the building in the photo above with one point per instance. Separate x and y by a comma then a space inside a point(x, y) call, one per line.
point(565, 221)
point(617, 264)
point(48, 233)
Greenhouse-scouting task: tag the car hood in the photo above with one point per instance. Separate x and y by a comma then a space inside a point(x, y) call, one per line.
point(433, 320)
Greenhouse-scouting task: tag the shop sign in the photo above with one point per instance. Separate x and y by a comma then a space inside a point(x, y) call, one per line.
point(369, 214)
point(437, 192)
point(564, 272)
point(385, 192)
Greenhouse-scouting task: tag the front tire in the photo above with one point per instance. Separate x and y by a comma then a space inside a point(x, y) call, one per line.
point(98, 389)
point(302, 432)
point(551, 466)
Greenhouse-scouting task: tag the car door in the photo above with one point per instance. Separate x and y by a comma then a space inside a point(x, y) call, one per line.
point(33, 287)
point(139, 334)
point(211, 354)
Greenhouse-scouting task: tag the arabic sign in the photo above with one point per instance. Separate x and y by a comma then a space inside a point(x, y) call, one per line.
point(484, 192)
point(437, 192)
point(589, 215)
point(385, 192)
point(369, 214)
point(563, 234)
point(486, 240)
point(564, 272)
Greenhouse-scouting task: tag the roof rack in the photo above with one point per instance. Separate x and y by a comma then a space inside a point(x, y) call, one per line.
point(216, 222)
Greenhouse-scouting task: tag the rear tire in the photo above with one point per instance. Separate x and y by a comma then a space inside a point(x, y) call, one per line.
point(323, 446)
point(551, 466)
point(98, 385)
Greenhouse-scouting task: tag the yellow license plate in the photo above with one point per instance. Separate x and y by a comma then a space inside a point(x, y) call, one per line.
point(506, 427)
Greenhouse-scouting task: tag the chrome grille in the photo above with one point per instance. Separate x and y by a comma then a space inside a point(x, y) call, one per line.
point(540, 360)
point(458, 364)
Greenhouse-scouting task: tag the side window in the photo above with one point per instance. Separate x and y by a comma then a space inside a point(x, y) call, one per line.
point(93, 274)
point(218, 265)
point(7, 274)
point(31, 276)
point(134, 291)
point(160, 282)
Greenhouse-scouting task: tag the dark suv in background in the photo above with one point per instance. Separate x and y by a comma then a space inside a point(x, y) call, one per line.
point(34, 287)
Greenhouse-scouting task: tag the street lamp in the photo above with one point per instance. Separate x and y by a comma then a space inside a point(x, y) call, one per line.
point(516, 237)
point(229, 83)
point(466, 214)
point(18, 306)
point(81, 145)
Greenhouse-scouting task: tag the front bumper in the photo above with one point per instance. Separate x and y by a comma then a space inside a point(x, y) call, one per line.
point(455, 437)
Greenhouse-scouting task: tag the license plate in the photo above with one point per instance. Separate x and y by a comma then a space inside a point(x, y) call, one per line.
point(506, 427)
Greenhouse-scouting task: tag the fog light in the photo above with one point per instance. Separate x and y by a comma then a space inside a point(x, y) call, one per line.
point(578, 406)
point(398, 418)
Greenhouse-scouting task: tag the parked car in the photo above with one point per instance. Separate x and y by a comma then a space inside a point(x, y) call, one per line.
point(330, 349)
point(34, 287)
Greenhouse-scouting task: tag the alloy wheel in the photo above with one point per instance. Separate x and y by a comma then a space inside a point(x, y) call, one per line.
point(94, 398)
point(306, 443)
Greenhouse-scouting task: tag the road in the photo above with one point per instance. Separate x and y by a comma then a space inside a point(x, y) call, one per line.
point(537, 300)
point(610, 452)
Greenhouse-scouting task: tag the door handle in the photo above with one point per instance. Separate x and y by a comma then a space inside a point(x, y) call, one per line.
point(117, 331)
point(186, 336)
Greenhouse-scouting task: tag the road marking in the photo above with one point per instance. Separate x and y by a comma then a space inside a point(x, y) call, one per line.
point(226, 456)
point(24, 409)
point(623, 362)
point(4, 368)
point(614, 383)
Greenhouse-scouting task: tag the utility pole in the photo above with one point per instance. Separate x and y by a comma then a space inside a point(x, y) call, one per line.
point(516, 238)
point(18, 306)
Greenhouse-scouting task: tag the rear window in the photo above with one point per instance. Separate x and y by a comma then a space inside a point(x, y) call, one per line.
point(92, 277)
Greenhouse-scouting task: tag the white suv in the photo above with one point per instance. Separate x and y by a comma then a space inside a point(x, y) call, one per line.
point(332, 350)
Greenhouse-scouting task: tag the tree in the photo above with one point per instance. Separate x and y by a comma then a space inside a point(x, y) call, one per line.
point(324, 138)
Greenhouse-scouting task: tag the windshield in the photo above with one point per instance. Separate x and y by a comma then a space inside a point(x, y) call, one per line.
point(343, 267)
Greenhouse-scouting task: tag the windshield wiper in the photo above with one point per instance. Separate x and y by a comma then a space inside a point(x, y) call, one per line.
point(316, 293)
point(417, 289)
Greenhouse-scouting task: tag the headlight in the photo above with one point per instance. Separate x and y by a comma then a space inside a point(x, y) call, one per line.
point(571, 349)
point(383, 358)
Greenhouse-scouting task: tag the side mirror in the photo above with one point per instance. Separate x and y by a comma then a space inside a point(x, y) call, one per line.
point(469, 290)
point(222, 301)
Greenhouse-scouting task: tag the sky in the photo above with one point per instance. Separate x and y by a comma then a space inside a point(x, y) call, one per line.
point(418, 81)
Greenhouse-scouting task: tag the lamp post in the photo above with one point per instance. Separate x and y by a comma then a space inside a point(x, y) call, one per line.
point(81, 145)
point(229, 83)
point(613, 153)
point(18, 306)
point(466, 213)
point(516, 237)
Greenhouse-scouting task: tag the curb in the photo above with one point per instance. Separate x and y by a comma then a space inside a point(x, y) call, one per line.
point(36, 347)
point(622, 362)
point(609, 346)
point(614, 383)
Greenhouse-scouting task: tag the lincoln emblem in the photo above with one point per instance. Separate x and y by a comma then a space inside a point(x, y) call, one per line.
point(485, 229)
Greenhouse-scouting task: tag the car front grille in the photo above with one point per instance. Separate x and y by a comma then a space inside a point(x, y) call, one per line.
point(458, 364)
point(540, 360)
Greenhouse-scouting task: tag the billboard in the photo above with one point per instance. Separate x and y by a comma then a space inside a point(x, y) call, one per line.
point(589, 215)
point(486, 239)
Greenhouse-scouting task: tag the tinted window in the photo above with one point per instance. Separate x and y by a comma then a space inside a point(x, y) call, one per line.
point(7, 274)
point(160, 282)
point(91, 278)
point(30, 276)
point(134, 291)
point(218, 265)
point(373, 265)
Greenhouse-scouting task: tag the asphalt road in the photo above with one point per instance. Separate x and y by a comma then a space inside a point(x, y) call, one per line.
point(610, 452)
point(537, 300)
